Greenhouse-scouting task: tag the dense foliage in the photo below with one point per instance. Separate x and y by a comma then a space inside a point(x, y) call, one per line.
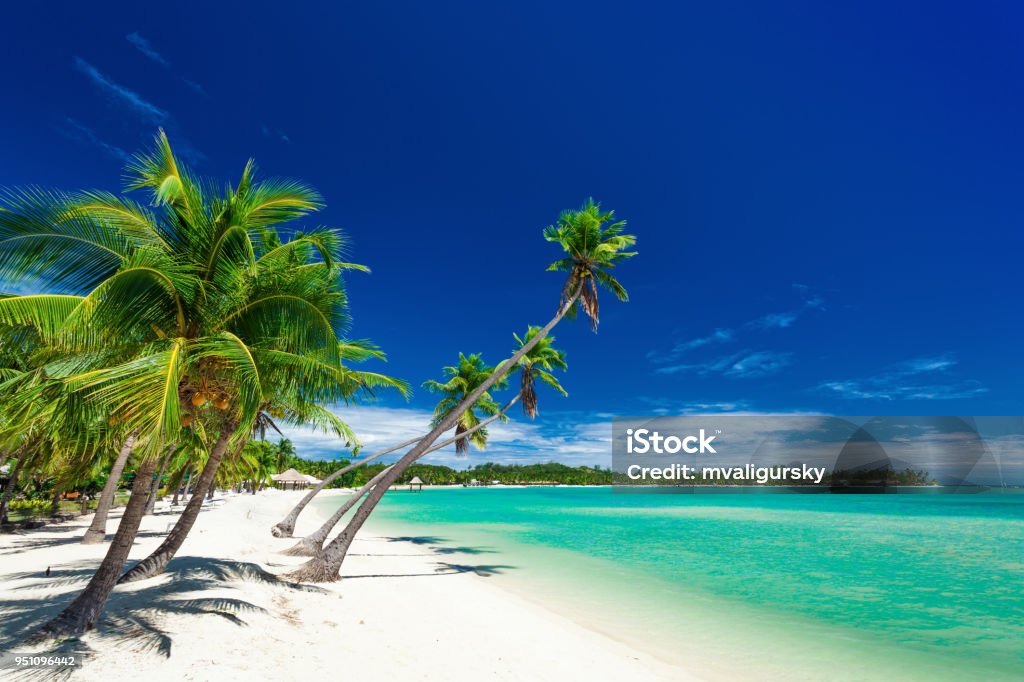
point(506, 474)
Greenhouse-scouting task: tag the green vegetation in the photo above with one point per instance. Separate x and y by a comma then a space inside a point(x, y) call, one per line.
point(163, 334)
point(167, 332)
point(508, 474)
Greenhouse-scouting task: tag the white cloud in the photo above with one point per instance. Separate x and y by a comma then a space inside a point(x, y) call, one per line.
point(121, 94)
point(908, 380)
point(146, 48)
point(143, 46)
point(746, 364)
point(549, 438)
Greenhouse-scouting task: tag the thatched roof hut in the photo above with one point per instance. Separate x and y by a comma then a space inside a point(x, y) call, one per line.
point(290, 480)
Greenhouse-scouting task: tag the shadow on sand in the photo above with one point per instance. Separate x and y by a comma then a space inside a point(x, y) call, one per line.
point(135, 612)
point(434, 543)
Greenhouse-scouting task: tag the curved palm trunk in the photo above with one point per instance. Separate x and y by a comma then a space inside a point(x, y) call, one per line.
point(313, 544)
point(286, 527)
point(85, 610)
point(327, 566)
point(97, 531)
point(12, 483)
point(155, 563)
point(178, 479)
point(155, 489)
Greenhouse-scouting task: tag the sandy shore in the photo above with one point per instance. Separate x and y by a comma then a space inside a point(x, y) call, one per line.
point(403, 612)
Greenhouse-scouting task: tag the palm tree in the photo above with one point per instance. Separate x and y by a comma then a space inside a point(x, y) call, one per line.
point(312, 544)
point(463, 379)
point(285, 453)
point(180, 315)
point(467, 374)
point(592, 249)
point(97, 530)
point(594, 244)
point(538, 363)
point(286, 526)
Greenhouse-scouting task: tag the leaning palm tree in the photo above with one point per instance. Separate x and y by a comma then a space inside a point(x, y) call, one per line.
point(183, 314)
point(594, 244)
point(312, 544)
point(538, 363)
point(97, 530)
point(463, 379)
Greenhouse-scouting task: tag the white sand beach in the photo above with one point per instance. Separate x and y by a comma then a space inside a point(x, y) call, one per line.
point(402, 612)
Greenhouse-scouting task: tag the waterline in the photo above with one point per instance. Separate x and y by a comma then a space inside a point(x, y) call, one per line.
point(757, 586)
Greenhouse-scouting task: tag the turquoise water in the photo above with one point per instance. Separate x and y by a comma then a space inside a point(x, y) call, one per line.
point(755, 586)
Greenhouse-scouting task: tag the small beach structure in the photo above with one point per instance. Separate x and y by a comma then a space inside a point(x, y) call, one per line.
point(291, 480)
point(416, 484)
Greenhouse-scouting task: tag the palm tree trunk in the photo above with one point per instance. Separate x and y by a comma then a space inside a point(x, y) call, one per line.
point(286, 527)
point(155, 563)
point(178, 479)
point(97, 531)
point(155, 489)
point(12, 483)
point(327, 566)
point(312, 545)
point(85, 610)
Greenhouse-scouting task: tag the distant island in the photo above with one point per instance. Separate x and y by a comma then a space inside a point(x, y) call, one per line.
point(554, 473)
point(550, 473)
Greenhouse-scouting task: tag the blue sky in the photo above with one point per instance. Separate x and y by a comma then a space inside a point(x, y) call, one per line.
point(827, 197)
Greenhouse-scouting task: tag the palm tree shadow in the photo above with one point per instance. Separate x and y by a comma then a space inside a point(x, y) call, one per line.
point(463, 550)
point(433, 540)
point(134, 616)
point(419, 539)
point(482, 570)
point(443, 568)
point(42, 542)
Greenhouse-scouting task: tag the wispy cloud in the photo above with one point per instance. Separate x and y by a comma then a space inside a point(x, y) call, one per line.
point(80, 132)
point(146, 48)
point(667, 406)
point(744, 364)
point(141, 111)
point(737, 407)
point(759, 364)
point(784, 319)
point(747, 364)
point(682, 348)
point(121, 94)
point(143, 46)
point(913, 379)
point(272, 133)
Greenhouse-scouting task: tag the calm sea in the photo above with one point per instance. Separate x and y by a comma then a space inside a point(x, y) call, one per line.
point(754, 586)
